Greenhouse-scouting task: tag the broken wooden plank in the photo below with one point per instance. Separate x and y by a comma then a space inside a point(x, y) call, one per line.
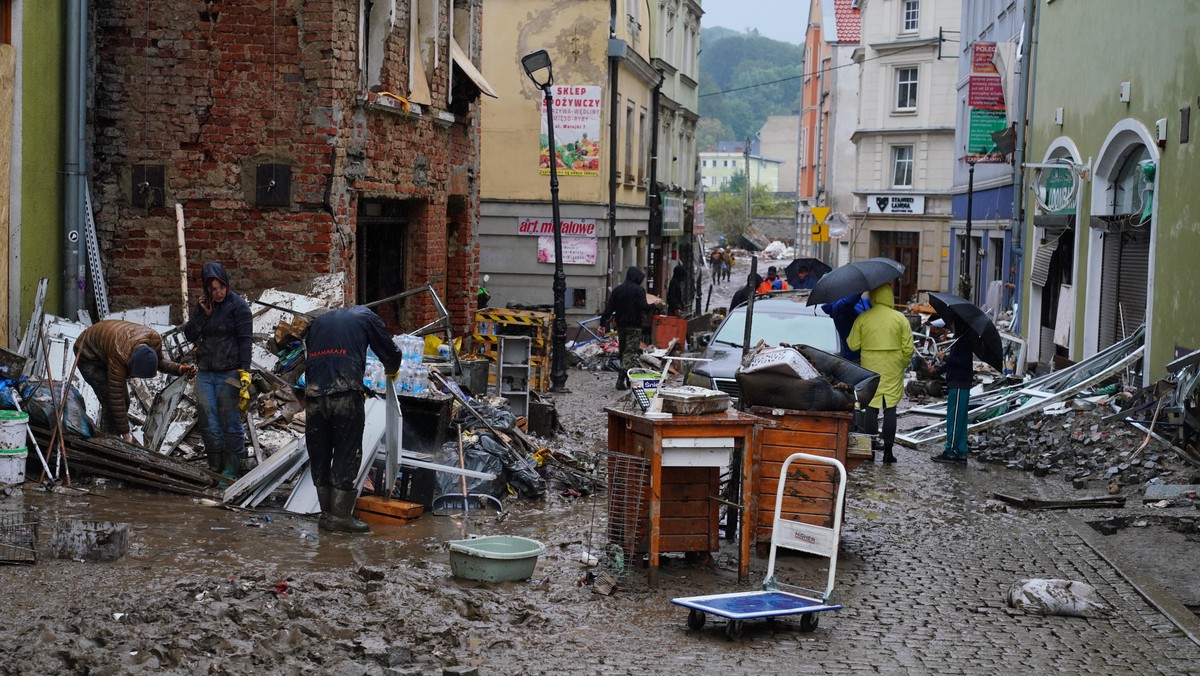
point(1081, 503)
point(1156, 492)
point(376, 509)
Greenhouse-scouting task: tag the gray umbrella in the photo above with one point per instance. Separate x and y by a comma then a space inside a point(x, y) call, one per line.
point(855, 278)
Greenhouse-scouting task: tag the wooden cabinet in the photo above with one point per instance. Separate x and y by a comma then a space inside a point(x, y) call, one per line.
point(810, 488)
point(677, 505)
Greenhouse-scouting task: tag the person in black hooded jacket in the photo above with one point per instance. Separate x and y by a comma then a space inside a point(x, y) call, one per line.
point(742, 295)
point(221, 326)
point(675, 305)
point(627, 306)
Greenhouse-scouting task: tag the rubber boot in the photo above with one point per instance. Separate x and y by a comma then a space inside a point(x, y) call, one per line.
point(231, 463)
point(623, 380)
point(342, 509)
point(888, 458)
point(325, 498)
point(214, 461)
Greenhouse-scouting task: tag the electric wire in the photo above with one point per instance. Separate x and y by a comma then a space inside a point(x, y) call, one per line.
point(824, 70)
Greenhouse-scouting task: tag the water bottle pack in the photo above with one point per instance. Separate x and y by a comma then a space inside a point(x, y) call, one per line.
point(413, 378)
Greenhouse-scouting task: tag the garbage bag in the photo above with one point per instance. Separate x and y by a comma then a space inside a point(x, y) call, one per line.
point(1057, 597)
point(477, 457)
point(499, 418)
point(40, 407)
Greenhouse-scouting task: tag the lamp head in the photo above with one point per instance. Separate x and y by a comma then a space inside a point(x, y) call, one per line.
point(536, 62)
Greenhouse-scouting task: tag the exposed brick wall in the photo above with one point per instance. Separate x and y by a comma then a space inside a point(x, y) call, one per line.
point(211, 89)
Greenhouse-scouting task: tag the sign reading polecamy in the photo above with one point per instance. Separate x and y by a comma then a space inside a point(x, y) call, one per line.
point(571, 227)
point(576, 250)
point(896, 204)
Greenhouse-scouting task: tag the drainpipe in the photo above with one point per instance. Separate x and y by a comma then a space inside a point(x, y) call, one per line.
point(614, 61)
point(653, 198)
point(75, 134)
point(818, 185)
point(1024, 102)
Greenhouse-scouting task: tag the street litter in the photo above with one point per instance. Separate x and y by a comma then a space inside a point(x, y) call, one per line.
point(1057, 597)
point(1032, 503)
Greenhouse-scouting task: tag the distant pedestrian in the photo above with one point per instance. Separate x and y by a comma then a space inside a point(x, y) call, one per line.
point(675, 303)
point(626, 308)
point(804, 280)
point(958, 367)
point(716, 261)
point(773, 282)
point(112, 351)
point(742, 295)
point(728, 267)
point(884, 337)
point(336, 345)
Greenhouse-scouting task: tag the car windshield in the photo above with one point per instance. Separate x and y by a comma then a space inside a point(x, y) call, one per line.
point(780, 327)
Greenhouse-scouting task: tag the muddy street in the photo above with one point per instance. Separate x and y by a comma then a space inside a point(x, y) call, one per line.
point(925, 563)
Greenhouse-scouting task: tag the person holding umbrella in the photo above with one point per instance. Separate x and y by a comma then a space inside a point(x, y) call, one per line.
point(958, 367)
point(884, 337)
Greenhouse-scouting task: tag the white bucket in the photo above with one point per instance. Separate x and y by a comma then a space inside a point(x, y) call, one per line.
point(12, 466)
point(13, 426)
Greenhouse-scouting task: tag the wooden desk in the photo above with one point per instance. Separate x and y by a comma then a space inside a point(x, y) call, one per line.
point(684, 455)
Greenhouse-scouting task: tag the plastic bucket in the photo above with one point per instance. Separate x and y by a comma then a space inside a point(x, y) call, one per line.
point(12, 466)
point(13, 426)
point(646, 381)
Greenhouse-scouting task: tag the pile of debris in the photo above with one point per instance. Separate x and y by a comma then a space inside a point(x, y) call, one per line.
point(1083, 448)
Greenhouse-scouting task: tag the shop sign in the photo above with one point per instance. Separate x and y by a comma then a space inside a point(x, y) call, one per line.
point(896, 204)
point(571, 227)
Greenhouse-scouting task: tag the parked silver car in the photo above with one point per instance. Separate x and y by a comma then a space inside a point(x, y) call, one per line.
point(777, 319)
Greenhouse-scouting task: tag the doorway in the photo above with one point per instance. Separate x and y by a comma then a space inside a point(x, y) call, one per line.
point(904, 247)
point(381, 250)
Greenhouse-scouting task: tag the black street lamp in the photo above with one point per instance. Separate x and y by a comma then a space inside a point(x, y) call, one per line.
point(964, 289)
point(534, 63)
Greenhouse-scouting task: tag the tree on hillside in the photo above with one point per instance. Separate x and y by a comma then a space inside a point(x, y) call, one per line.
point(725, 211)
point(739, 63)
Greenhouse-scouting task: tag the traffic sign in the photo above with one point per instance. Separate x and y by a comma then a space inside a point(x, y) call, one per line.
point(819, 213)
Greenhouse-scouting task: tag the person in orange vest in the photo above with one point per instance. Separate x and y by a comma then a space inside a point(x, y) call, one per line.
point(773, 282)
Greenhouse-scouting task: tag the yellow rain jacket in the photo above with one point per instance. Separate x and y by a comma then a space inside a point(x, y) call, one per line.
point(885, 338)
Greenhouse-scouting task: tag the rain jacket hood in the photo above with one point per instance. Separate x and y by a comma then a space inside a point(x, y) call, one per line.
point(882, 295)
point(635, 275)
point(214, 269)
point(627, 303)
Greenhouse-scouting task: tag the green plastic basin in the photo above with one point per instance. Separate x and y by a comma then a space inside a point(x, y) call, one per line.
point(495, 558)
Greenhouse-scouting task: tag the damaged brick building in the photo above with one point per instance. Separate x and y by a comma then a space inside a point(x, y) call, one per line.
point(301, 137)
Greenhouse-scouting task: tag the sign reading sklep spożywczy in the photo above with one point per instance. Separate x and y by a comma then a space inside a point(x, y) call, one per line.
point(571, 227)
point(896, 204)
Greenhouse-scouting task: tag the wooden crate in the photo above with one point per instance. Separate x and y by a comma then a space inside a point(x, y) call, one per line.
point(810, 487)
point(689, 518)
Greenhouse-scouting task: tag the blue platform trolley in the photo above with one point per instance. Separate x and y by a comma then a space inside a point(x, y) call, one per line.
point(777, 599)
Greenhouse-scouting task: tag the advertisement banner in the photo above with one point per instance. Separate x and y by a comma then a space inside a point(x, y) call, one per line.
point(982, 54)
point(980, 146)
point(672, 215)
point(576, 250)
point(571, 227)
point(576, 131)
point(985, 92)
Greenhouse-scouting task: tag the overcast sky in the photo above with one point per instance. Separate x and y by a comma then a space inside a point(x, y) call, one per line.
point(782, 20)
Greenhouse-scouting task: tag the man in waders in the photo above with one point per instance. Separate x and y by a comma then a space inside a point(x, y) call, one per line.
point(336, 343)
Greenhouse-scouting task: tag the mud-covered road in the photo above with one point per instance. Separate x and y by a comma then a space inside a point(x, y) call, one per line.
point(925, 563)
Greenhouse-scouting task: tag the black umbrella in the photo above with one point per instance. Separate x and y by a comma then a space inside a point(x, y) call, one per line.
point(985, 339)
point(855, 278)
point(816, 270)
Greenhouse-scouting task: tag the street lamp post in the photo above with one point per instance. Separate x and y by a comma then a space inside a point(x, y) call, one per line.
point(534, 64)
point(965, 283)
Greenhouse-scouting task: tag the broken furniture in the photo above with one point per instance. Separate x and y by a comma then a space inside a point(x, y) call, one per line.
point(492, 323)
point(513, 371)
point(680, 508)
point(810, 487)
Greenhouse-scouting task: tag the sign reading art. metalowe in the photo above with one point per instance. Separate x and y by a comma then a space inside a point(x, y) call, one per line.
point(896, 204)
point(571, 227)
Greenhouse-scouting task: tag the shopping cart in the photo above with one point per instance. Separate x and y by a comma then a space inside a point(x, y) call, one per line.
point(774, 601)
